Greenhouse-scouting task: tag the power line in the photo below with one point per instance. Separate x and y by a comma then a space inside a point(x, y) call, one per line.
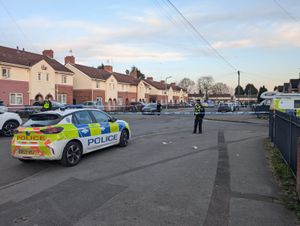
point(201, 36)
point(162, 4)
point(286, 12)
point(15, 22)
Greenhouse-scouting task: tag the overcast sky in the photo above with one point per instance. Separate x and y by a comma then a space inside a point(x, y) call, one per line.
point(256, 37)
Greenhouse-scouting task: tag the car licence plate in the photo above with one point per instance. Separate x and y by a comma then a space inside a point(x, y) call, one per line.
point(23, 151)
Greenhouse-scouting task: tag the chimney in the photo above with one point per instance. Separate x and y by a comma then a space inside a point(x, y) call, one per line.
point(48, 52)
point(162, 81)
point(133, 73)
point(69, 60)
point(108, 68)
point(150, 78)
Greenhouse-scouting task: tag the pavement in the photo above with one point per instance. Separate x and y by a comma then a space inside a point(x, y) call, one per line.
point(165, 176)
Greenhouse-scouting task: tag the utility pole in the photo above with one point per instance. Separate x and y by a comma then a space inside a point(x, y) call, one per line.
point(238, 89)
point(166, 89)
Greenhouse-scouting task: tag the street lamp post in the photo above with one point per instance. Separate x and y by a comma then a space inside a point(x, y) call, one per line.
point(166, 88)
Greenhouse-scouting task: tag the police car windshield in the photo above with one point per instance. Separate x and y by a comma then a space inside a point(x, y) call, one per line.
point(40, 120)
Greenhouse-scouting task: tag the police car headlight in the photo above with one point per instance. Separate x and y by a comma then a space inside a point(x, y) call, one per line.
point(52, 130)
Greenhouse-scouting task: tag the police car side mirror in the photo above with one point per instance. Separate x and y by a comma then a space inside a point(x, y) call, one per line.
point(112, 119)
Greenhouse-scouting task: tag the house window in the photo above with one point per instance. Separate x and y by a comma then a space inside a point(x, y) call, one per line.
point(64, 79)
point(39, 76)
point(5, 72)
point(97, 84)
point(47, 77)
point(16, 98)
point(62, 98)
point(122, 87)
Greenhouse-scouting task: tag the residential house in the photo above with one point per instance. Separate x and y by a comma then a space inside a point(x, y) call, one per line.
point(193, 97)
point(220, 97)
point(286, 87)
point(27, 77)
point(246, 98)
point(280, 88)
point(117, 89)
point(158, 91)
point(103, 84)
point(294, 85)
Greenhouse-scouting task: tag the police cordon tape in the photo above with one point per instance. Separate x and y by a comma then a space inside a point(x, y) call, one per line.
point(191, 113)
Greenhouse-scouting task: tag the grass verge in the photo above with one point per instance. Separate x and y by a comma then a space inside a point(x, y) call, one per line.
point(283, 177)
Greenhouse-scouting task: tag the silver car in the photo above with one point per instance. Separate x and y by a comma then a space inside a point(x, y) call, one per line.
point(93, 104)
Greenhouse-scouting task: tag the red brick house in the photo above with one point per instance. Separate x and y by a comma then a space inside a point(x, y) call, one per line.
point(27, 77)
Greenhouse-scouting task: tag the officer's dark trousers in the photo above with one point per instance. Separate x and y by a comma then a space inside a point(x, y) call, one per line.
point(198, 122)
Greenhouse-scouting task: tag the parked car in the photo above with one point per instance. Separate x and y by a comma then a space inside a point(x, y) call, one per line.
point(2, 106)
point(136, 106)
point(8, 123)
point(223, 107)
point(204, 104)
point(55, 105)
point(27, 111)
point(66, 135)
point(93, 104)
point(150, 108)
point(74, 106)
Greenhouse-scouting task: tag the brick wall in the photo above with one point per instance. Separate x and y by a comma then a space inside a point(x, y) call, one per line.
point(175, 99)
point(127, 95)
point(82, 95)
point(65, 89)
point(12, 86)
point(158, 98)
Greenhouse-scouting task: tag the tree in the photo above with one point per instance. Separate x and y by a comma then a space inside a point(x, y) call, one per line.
point(250, 89)
point(261, 90)
point(275, 88)
point(187, 84)
point(101, 66)
point(140, 75)
point(237, 89)
point(127, 72)
point(205, 84)
point(220, 88)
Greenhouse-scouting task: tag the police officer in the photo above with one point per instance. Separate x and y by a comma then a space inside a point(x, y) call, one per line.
point(199, 115)
point(47, 105)
point(158, 107)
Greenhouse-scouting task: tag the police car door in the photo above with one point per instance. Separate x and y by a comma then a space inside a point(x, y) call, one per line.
point(109, 130)
point(82, 121)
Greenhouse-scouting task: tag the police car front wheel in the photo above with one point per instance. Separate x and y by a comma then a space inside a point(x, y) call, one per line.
point(124, 138)
point(72, 154)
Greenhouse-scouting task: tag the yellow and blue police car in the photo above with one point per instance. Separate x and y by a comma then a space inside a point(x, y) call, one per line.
point(66, 135)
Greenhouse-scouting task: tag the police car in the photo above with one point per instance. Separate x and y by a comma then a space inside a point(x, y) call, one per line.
point(66, 135)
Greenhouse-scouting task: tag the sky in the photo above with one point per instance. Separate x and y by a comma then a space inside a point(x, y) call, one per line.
point(256, 37)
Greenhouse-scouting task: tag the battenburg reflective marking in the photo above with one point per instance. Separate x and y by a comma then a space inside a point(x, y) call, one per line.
point(83, 130)
point(105, 127)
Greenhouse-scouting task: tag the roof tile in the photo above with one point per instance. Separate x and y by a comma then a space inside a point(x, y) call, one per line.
point(20, 57)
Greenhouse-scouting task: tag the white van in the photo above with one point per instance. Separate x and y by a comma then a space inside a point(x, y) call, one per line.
point(284, 102)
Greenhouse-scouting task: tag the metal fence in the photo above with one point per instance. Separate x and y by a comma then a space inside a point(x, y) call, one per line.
point(284, 130)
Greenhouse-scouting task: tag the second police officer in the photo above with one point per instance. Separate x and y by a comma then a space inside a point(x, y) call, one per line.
point(199, 115)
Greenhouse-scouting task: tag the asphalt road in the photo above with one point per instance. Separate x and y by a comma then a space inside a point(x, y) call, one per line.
point(165, 176)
